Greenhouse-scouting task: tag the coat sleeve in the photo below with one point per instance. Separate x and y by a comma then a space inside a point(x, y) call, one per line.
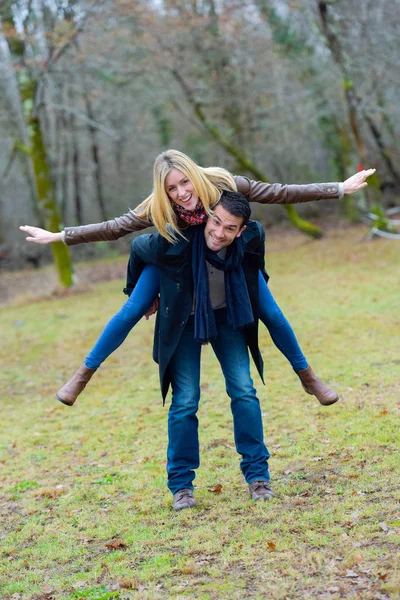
point(276, 193)
point(261, 250)
point(107, 230)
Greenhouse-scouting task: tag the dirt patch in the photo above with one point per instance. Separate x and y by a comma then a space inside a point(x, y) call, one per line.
point(24, 286)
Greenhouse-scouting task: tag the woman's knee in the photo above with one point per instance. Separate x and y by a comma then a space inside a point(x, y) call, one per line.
point(133, 309)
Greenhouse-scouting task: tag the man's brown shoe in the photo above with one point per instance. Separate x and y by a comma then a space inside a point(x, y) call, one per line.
point(315, 387)
point(260, 490)
point(71, 390)
point(184, 499)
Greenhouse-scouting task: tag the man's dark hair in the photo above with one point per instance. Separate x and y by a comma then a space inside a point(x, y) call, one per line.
point(236, 204)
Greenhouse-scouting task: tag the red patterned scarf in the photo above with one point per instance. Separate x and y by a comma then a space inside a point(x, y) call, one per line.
point(192, 217)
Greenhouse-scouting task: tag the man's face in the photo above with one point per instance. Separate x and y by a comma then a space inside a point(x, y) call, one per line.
point(222, 229)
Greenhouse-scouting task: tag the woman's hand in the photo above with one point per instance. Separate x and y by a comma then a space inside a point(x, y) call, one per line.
point(357, 182)
point(40, 236)
point(153, 308)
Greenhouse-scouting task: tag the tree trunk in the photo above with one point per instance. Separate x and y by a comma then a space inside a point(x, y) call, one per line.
point(95, 157)
point(75, 169)
point(11, 91)
point(44, 191)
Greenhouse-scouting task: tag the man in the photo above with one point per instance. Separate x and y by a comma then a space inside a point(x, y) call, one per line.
point(208, 293)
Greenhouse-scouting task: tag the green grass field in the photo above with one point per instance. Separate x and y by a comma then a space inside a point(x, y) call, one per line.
point(84, 507)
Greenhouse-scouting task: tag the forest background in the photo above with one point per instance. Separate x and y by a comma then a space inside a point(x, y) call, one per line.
point(91, 92)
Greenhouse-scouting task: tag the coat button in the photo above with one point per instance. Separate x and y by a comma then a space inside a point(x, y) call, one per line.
point(178, 285)
point(182, 323)
point(167, 309)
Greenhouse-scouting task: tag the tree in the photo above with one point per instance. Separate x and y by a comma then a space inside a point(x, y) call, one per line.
point(26, 81)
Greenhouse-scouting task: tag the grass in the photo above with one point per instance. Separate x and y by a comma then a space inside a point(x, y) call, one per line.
point(84, 509)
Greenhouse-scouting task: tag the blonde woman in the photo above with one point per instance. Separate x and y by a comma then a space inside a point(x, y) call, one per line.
point(183, 195)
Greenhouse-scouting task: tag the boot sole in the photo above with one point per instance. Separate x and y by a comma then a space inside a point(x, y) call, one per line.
point(177, 508)
point(63, 401)
point(322, 403)
point(330, 402)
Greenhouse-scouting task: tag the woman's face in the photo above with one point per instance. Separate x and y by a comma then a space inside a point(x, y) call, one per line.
point(181, 190)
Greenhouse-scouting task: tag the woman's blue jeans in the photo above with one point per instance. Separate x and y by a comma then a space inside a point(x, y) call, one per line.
point(142, 298)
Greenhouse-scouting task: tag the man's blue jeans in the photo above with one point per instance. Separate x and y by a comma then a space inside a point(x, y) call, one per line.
point(183, 455)
point(142, 298)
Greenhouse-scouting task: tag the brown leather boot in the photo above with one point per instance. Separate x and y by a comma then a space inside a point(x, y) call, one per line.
point(315, 387)
point(71, 390)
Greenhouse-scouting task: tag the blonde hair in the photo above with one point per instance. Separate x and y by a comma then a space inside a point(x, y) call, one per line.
point(208, 182)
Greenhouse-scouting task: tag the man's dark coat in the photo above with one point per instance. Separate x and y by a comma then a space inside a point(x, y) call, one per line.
point(176, 289)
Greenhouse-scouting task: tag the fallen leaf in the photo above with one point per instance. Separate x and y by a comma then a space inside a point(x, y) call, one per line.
point(48, 590)
point(79, 584)
point(384, 412)
point(350, 573)
point(47, 593)
point(129, 584)
point(271, 546)
point(115, 545)
point(216, 490)
point(48, 493)
point(102, 575)
point(382, 576)
point(189, 569)
point(86, 540)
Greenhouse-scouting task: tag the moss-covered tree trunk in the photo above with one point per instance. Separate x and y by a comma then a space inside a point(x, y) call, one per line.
point(340, 146)
point(44, 189)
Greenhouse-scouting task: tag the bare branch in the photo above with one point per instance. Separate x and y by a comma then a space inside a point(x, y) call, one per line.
point(80, 115)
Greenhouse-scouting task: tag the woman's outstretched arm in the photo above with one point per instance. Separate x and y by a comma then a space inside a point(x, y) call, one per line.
point(95, 232)
point(276, 193)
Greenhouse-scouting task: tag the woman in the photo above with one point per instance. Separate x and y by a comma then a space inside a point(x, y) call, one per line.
point(183, 195)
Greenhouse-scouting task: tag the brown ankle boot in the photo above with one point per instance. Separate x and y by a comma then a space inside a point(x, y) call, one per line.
point(71, 390)
point(316, 387)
